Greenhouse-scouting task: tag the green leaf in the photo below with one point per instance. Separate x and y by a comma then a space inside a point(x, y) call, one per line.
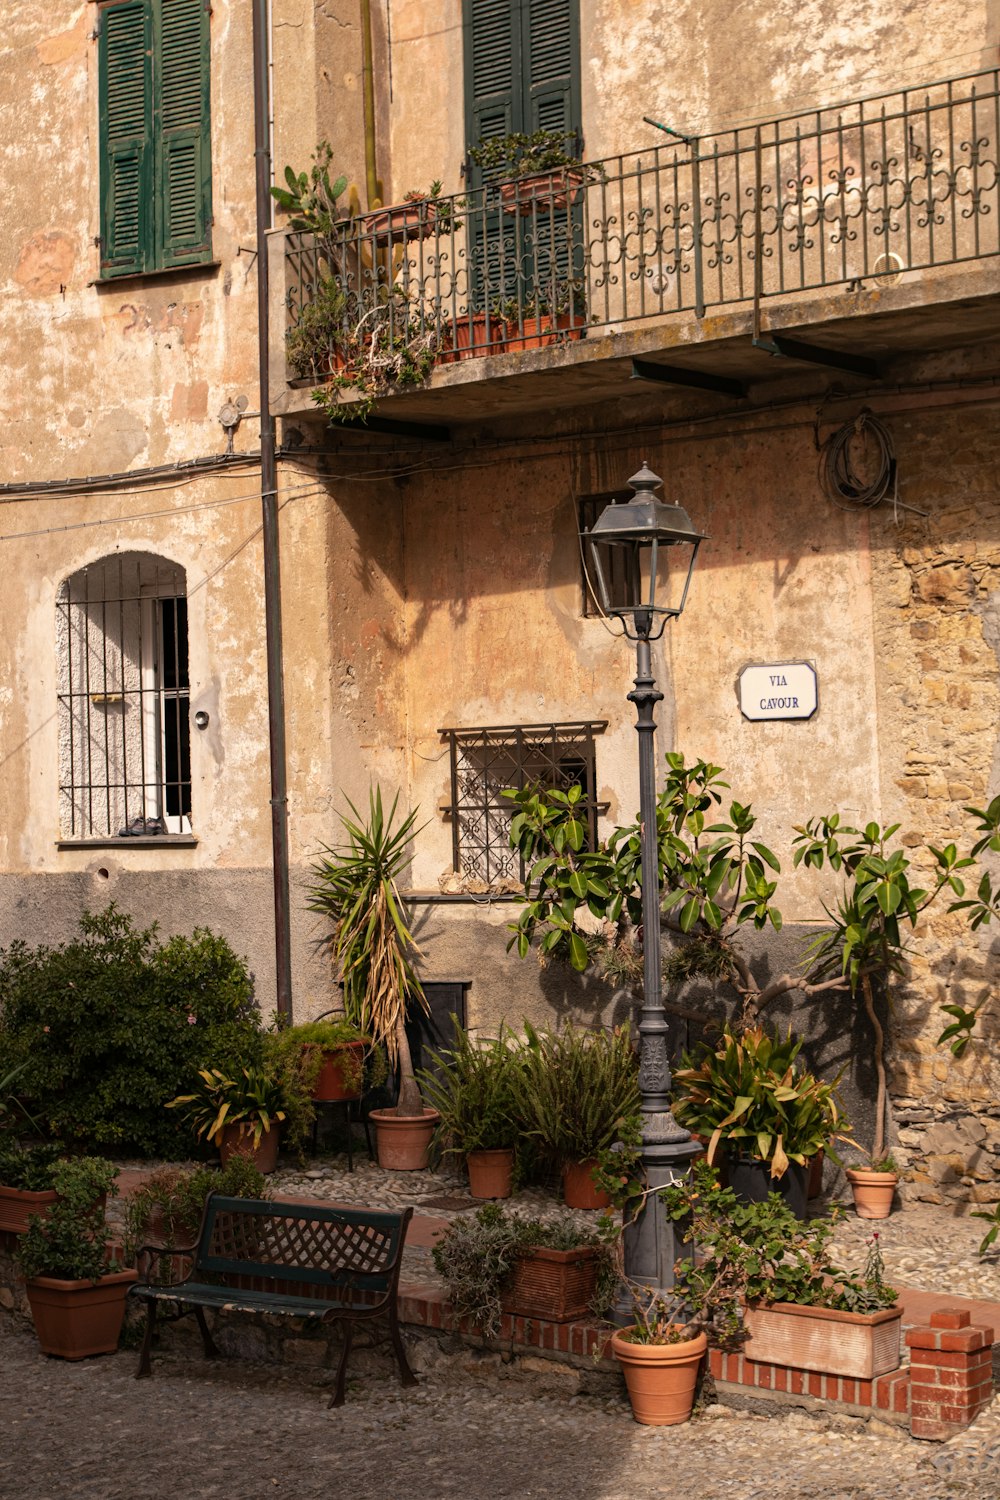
point(578, 955)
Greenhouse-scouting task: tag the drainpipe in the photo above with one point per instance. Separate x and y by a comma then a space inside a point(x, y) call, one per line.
point(269, 506)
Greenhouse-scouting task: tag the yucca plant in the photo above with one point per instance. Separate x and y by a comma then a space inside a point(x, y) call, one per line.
point(354, 884)
point(575, 1090)
point(747, 1089)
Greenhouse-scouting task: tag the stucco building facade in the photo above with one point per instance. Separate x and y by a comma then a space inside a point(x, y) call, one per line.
point(814, 237)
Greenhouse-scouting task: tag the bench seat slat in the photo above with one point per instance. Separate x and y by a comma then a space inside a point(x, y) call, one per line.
point(236, 1299)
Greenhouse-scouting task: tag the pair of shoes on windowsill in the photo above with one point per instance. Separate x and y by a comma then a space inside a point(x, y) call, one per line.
point(141, 827)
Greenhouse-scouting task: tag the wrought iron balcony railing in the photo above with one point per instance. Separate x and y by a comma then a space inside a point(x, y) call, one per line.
point(907, 181)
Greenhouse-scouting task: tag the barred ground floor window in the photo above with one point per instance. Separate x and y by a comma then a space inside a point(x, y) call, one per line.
point(123, 699)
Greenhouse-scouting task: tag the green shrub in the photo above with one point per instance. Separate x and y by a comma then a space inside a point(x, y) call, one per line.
point(28, 1168)
point(179, 1193)
point(108, 1027)
point(72, 1241)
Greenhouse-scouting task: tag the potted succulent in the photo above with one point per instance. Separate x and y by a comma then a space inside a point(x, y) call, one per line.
point(536, 173)
point(418, 216)
point(746, 1092)
point(495, 1261)
point(238, 1112)
point(576, 1090)
point(472, 1089)
point(354, 885)
point(26, 1183)
point(315, 344)
point(75, 1290)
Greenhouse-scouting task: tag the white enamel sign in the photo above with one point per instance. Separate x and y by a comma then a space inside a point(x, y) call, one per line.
point(778, 690)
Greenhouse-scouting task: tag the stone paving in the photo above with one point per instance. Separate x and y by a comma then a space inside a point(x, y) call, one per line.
point(203, 1431)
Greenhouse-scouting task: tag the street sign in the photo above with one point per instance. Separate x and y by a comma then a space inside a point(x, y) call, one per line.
point(778, 690)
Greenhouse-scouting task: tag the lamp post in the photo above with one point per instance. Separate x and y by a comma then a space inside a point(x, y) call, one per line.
point(628, 543)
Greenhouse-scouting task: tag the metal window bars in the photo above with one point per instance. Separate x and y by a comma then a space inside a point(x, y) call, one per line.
point(123, 699)
point(485, 762)
point(868, 190)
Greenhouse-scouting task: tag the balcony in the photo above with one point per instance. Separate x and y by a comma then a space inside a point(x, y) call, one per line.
point(846, 237)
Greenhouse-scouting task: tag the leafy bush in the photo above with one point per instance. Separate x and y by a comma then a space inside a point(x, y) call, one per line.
point(474, 1093)
point(28, 1168)
point(108, 1027)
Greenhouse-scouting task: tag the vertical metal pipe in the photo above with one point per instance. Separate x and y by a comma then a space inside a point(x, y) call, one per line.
point(269, 504)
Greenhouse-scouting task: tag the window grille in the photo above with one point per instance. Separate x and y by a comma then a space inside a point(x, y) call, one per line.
point(484, 762)
point(589, 507)
point(123, 699)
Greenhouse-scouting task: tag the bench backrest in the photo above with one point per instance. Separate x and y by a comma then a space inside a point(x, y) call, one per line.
point(300, 1245)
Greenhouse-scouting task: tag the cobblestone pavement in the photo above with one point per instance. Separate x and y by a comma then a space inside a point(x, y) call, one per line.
point(198, 1431)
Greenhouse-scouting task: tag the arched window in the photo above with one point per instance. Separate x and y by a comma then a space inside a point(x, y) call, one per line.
point(124, 690)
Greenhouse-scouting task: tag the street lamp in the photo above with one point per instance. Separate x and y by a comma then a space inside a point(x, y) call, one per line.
point(629, 544)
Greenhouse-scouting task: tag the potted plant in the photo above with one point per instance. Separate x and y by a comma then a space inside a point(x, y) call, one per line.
point(472, 1090)
point(166, 1209)
point(874, 1185)
point(536, 173)
point(75, 1290)
point(764, 1278)
point(660, 1355)
point(315, 344)
point(746, 1091)
point(340, 1057)
point(495, 1261)
point(26, 1183)
point(576, 1091)
point(385, 343)
point(354, 885)
point(238, 1112)
point(310, 201)
point(418, 216)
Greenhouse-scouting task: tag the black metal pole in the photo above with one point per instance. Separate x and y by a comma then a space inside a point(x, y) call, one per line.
point(652, 1244)
point(269, 505)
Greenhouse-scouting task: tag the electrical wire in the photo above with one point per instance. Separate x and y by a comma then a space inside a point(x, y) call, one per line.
point(857, 465)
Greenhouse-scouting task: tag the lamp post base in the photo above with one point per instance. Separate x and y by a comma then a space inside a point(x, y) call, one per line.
point(653, 1243)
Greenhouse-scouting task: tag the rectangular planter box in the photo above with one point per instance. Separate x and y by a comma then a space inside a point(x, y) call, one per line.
point(17, 1206)
point(859, 1345)
point(556, 1285)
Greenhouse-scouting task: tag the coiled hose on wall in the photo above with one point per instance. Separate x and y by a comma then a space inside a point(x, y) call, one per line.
point(857, 464)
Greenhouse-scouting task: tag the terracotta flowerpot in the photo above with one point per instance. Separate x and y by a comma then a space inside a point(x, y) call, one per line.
point(237, 1142)
point(490, 1173)
point(530, 333)
point(340, 1074)
point(661, 1378)
point(578, 1186)
point(475, 334)
point(17, 1205)
point(814, 1174)
point(543, 192)
point(873, 1192)
point(74, 1319)
point(556, 1285)
point(400, 222)
point(570, 325)
point(858, 1345)
point(403, 1142)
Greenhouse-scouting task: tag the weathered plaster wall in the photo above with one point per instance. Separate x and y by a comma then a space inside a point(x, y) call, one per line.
point(100, 378)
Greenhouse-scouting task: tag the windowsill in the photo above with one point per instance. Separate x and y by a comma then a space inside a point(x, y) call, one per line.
point(139, 841)
point(457, 898)
point(187, 272)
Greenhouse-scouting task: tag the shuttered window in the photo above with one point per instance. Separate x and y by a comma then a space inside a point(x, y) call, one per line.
point(156, 173)
point(522, 74)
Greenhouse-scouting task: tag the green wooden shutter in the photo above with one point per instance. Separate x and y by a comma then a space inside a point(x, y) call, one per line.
point(182, 133)
point(125, 108)
point(551, 68)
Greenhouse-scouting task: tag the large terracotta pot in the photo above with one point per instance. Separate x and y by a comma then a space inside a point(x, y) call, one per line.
point(475, 334)
point(17, 1205)
point(340, 1073)
point(491, 1173)
point(531, 333)
point(873, 1192)
point(661, 1378)
point(858, 1345)
point(578, 1186)
point(236, 1142)
point(74, 1319)
point(543, 192)
point(403, 1142)
point(400, 222)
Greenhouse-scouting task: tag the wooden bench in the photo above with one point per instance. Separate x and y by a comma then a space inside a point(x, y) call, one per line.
point(329, 1264)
